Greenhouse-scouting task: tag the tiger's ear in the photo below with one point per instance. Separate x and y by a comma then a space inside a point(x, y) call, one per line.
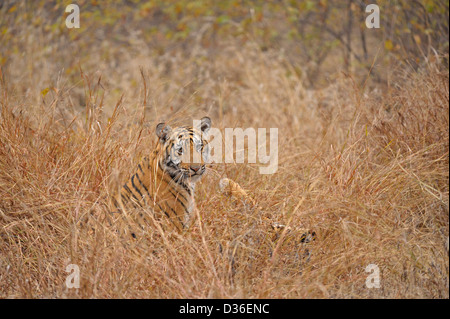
point(162, 131)
point(205, 124)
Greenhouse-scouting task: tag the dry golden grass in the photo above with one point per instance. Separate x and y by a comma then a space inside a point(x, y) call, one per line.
point(368, 171)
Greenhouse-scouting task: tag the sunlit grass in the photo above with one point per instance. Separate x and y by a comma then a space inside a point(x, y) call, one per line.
point(367, 171)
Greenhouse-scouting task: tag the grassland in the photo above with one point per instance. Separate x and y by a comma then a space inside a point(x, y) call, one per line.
point(364, 164)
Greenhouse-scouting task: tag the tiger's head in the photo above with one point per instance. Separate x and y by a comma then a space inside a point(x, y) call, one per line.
point(185, 150)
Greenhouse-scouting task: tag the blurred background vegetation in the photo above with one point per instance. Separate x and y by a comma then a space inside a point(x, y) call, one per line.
point(317, 38)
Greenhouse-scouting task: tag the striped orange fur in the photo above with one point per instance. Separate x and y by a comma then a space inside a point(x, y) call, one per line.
point(165, 180)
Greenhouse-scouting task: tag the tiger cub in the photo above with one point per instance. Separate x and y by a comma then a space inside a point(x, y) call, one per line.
point(233, 190)
point(165, 180)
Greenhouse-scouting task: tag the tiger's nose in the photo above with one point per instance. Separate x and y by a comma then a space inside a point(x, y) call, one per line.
point(196, 168)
